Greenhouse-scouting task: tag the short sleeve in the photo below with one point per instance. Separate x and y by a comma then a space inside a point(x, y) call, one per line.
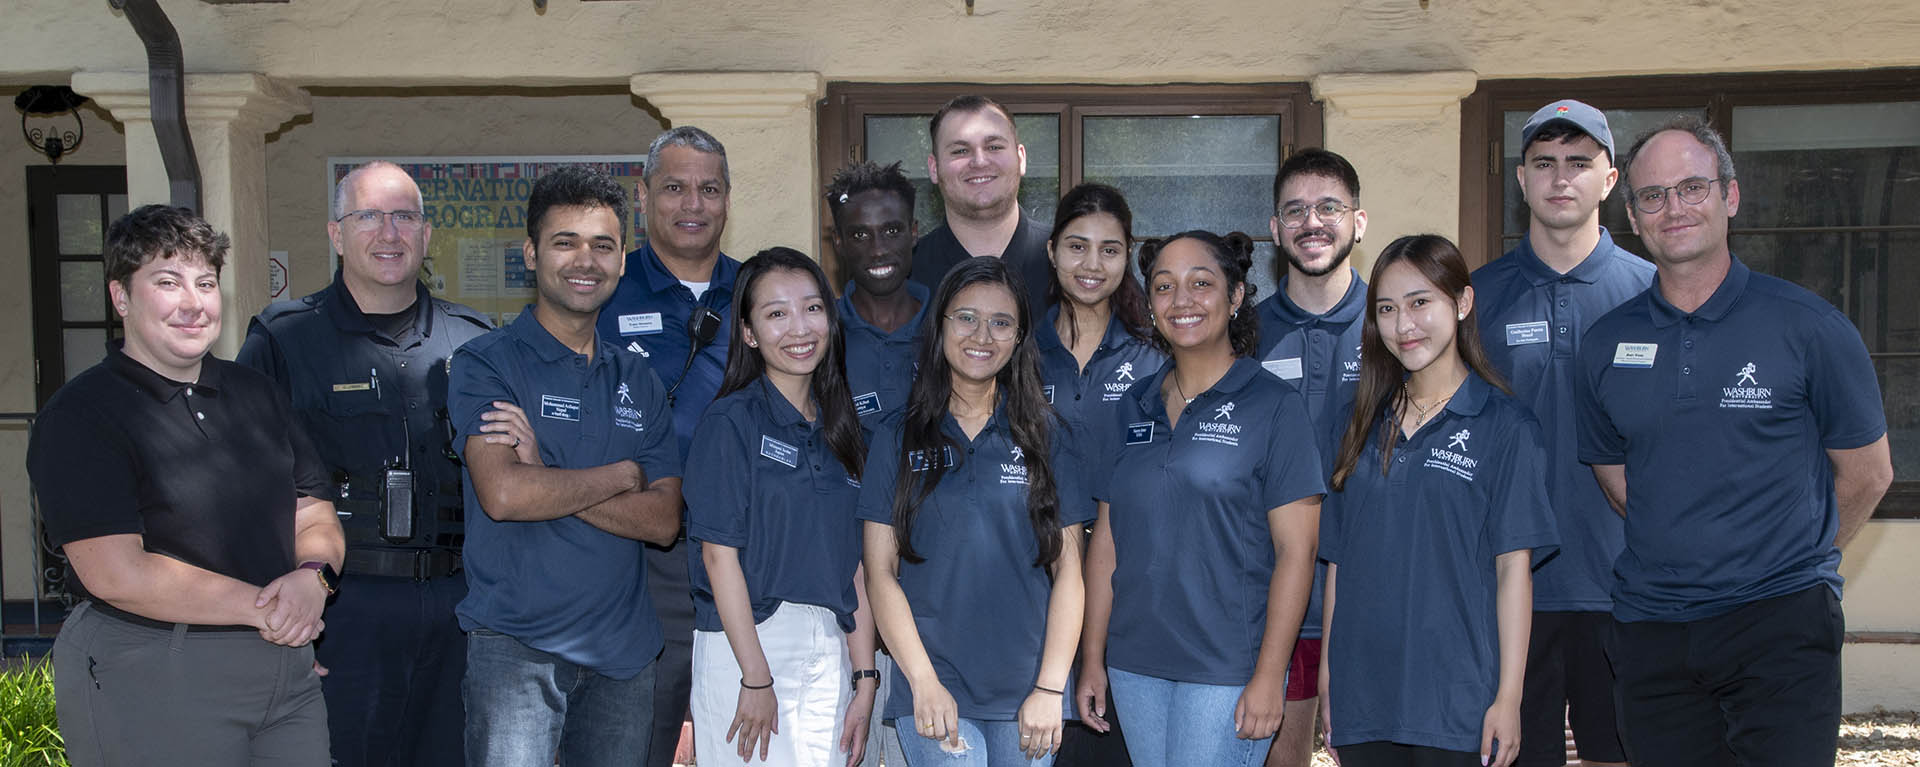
point(1843, 389)
point(1291, 470)
point(1074, 503)
point(83, 476)
point(1600, 443)
point(882, 474)
point(716, 488)
point(474, 383)
point(1330, 527)
point(1519, 515)
point(659, 454)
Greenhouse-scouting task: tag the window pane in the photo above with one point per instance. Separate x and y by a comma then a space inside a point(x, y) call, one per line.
point(116, 207)
point(903, 139)
point(1872, 276)
point(79, 224)
point(83, 348)
point(1903, 414)
point(1828, 165)
point(1188, 172)
point(81, 289)
point(1626, 124)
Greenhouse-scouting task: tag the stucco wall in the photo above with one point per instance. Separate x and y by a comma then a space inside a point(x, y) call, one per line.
point(442, 122)
point(103, 145)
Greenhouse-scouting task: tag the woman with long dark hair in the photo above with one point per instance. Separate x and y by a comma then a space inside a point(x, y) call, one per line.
point(783, 645)
point(1198, 571)
point(1439, 513)
point(1094, 342)
point(971, 560)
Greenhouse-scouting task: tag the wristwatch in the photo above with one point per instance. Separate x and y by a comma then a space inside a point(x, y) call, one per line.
point(329, 577)
point(866, 673)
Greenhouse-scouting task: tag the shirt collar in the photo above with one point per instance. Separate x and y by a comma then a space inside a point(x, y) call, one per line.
point(1148, 402)
point(778, 408)
point(659, 279)
point(995, 422)
point(159, 387)
point(1282, 307)
point(1048, 338)
point(1735, 283)
point(1539, 273)
point(349, 318)
point(850, 317)
point(529, 331)
point(1471, 397)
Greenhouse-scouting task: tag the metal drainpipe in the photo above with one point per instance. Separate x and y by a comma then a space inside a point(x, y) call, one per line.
point(166, 88)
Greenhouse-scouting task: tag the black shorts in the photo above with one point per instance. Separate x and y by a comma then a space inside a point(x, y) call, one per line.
point(1757, 686)
point(1568, 681)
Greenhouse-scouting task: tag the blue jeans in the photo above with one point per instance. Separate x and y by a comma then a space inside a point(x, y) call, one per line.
point(1181, 723)
point(985, 743)
point(525, 707)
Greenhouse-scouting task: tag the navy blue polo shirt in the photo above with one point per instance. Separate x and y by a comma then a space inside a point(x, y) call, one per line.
point(1415, 652)
point(979, 602)
point(1087, 399)
point(880, 365)
point(1722, 417)
point(648, 316)
point(763, 480)
point(563, 586)
point(1531, 321)
point(1188, 506)
point(370, 401)
point(1320, 355)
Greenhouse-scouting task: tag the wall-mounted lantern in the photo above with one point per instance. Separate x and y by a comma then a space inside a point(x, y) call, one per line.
point(44, 112)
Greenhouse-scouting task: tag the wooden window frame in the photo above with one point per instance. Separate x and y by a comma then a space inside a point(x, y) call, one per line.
point(1482, 134)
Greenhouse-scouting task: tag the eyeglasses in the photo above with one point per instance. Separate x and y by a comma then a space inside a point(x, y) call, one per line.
point(1693, 191)
point(1000, 327)
point(1329, 212)
point(368, 220)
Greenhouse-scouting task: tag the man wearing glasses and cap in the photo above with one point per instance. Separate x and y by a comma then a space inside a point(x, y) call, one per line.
point(1535, 303)
point(364, 362)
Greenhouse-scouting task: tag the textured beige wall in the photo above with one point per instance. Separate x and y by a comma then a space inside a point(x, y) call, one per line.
point(442, 122)
point(343, 41)
point(103, 145)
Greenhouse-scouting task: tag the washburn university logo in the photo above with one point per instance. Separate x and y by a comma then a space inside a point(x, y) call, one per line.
point(1014, 472)
point(625, 415)
point(1218, 430)
point(1746, 393)
point(626, 394)
point(1122, 381)
point(1459, 439)
point(1350, 369)
point(1457, 464)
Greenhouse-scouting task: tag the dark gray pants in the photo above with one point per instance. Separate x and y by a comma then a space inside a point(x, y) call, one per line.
point(134, 695)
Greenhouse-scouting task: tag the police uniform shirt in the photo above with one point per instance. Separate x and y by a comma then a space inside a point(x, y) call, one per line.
point(938, 251)
point(1722, 417)
point(368, 398)
point(1188, 508)
point(763, 480)
point(880, 365)
point(1531, 321)
point(648, 316)
point(979, 602)
point(1320, 355)
point(563, 586)
point(206, 472)
point(1087, 399)
point(1415, 651)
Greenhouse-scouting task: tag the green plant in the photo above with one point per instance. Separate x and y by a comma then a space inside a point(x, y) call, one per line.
point(29, 733)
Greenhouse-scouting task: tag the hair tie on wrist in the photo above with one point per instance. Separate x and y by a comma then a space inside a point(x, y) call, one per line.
point(1049, 689)
point(743, 683)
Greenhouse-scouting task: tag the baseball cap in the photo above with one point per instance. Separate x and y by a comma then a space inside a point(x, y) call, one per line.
point(1575, 113)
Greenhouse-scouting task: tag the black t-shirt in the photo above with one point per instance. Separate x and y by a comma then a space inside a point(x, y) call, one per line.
point(1026, 255)
point(207, 471)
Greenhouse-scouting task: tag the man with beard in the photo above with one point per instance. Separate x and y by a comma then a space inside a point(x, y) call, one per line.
point(364, 363)
point(571, 459)
point(1535, 304)
point(873, 233)
point(668, 309)
point(1310, 333)
point(977, 161)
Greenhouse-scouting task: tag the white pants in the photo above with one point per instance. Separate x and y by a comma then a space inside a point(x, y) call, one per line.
point(812, 682)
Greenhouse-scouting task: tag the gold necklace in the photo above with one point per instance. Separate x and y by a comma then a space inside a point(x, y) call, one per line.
point(1421, 414)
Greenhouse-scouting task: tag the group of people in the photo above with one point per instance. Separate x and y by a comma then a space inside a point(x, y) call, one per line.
point(1014, 485)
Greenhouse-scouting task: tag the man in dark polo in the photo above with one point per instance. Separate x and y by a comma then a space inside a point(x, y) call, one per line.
point(977, 162)
point(1735, 420)
point(364, 362)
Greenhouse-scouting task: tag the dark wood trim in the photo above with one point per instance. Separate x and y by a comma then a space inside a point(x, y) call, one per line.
point(1882, 637)
point(1902, 501)
point(45, 183)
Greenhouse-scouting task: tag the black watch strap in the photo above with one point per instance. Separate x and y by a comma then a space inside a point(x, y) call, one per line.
point(866, 673)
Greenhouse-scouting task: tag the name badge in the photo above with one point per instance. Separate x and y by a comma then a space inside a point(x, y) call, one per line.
point(779, 451)
point(365, 386)
point(1140, 433)
point(1522, 333)
point(919, 460)
point(559, 408)
point(1287, 369)
point(1048, 390)
point(640, 324)
point(1628, 355)
point(867, 404)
